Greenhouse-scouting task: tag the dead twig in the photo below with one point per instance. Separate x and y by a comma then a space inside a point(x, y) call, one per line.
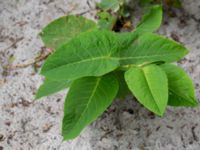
point(29, 63)
point(40, 58)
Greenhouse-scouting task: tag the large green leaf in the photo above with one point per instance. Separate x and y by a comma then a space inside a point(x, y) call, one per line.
point(50, 87)
point(64, 29)
point(181, 88)
point(149, 86)
point(99, 52)
point(90, 54)
point(87, 99)
point(149, 48)
point(151, 21)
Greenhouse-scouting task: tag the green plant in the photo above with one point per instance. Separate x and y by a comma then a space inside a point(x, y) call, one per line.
point(170, 3)
point(99, 65)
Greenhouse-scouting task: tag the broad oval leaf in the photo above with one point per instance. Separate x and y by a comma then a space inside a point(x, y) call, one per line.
point(87, 99)
point(149, 47)
point(151, 21)
point(149, 85)
point(50, 87)
point(181, 88)
point(90, 54)
point(65, 28)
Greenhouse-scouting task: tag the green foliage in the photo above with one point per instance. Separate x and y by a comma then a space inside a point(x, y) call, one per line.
point(149, 85)
point(149, 47)
point(99, 65)
point(99, 52)
point(65, 28)
point(106, 21)
point(181, 88)
point(169, 3)
point(113, 5)
point(123, 88)
point(151, 21)
point(90, 54)
point(51, 86)
point(83, 107)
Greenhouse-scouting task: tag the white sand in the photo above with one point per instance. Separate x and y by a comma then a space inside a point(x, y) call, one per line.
point(28, 124)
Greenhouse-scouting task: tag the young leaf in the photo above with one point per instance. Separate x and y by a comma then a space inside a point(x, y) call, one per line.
point(149, 48)
point(50, 87)
point(90, 54)
point(64, 29)
point(181, 88)
point(87, 99)
point(149, 86)
point(113, 5)
point(151, 21)
point(106, 21)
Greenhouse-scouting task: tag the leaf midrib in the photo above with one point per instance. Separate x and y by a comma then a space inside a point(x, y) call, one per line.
point(107, 58)
point(83, 61)
point(89, 101)
point(145, 56)
point(151, 91)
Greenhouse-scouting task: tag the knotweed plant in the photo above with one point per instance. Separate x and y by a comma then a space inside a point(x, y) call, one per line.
point(99, 65)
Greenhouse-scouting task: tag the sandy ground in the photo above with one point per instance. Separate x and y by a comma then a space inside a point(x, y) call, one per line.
point(28, 124)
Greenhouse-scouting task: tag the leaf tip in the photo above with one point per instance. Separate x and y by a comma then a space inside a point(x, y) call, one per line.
point(37, 96)
point(159, 113)
point(195, 104)
point(41, 33)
